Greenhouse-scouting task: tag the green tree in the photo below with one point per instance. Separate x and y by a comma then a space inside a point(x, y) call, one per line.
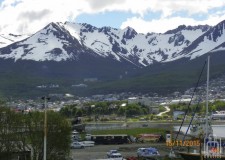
point(218, 105)
point(58, 135)
point(34, 127)
point(5, 134)
point(151, 117)
point(121, 110)
point(69, 111)
point(134, 109)
point(79, 113)
point(59, 138)
point(103, 107)
point(19, 132)
point(12, 133)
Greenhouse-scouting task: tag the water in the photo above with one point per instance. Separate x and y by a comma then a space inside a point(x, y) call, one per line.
point(102, 126)
point(218, 130)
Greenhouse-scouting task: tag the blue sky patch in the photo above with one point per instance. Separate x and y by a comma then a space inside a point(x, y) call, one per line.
point(113, 19)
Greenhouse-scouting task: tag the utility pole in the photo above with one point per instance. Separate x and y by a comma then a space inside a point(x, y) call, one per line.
point(45, 128)
point(207, 99)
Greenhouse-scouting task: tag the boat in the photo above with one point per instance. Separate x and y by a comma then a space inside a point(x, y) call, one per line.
point(210, 145)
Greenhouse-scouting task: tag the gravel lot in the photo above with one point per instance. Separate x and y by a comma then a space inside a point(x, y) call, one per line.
point(99, 151)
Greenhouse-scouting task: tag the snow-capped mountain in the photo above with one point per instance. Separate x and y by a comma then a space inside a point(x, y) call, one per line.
point(137, 48)
point(7, 39)
point(211, 41)
point(117, 60)
point(53, 42)
point(67, 41)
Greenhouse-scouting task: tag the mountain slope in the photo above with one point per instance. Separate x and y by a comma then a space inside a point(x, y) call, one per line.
point(51, 43)
point(137, 48)
point(69, 54)
point(59, 42)
point(7, 39)
point(211, 41)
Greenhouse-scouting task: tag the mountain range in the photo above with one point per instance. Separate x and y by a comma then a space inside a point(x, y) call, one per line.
point(67, 53)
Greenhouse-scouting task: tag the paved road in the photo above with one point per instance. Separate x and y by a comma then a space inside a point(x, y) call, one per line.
point(167, 110)
point(99, 151)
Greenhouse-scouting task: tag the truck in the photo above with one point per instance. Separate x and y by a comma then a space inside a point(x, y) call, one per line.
point(150, 138)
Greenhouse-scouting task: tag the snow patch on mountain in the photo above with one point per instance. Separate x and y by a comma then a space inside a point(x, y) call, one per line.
point(207, 46)
point(190, 35)
point(64, 41)
point(92, 38)
point(47, 44)
point(7, 39)
point(74, 30)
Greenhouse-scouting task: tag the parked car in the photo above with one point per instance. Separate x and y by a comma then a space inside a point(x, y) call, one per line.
point(147, 152)
point(116, 156)
point(77, 145)
point(111, 152)
point(88, 143)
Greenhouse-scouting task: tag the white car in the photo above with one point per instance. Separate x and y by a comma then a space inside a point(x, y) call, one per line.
point(88, 143)
point(77, 145)
point(116, 156)
point(111, 152)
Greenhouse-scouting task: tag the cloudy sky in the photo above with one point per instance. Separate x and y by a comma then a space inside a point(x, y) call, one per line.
point(28, 16)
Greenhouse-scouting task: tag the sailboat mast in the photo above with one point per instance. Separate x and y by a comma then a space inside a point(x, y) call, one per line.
point(207, 96)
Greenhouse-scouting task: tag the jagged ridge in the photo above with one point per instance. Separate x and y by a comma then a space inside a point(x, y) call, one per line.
point(67, 41)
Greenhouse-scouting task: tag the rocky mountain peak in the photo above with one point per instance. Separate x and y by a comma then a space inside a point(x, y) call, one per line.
point(129, 33)
point(67, 41)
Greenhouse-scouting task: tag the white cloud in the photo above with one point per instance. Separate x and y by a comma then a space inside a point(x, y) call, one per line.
point(158, 26)
point(28, 16)
point(100, 4)
point(164, 24)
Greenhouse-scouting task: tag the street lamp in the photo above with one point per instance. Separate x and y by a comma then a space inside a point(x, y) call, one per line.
point(45, 128)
